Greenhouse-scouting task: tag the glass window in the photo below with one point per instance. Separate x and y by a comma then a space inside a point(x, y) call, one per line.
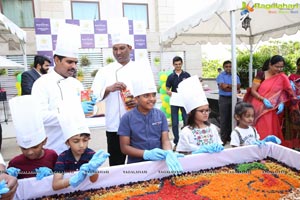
point(85, 10)
point(136, 12)
point(19, 11)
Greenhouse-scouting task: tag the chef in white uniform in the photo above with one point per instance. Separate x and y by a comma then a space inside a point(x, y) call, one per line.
point(59, 85)
point(110, 81)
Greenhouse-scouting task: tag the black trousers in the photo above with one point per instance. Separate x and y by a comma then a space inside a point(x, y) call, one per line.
point(113, 147)
point(225, 118)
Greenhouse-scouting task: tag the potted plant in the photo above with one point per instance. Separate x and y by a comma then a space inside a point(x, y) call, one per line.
point(79, 74)
point(93, 73)
point(84, 61)
point(109, 60)
point(3, 72)
point(157, 61)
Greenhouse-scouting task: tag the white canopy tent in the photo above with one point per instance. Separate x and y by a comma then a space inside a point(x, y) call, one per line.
point(218, 21)
point(6, 63)
point(10, 31)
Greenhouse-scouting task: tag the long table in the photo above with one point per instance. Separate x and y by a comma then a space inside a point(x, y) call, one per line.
point(110, 176)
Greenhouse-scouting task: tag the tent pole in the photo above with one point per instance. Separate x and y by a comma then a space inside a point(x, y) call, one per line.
point(251, 65)
point(233, 69)
point(24, 54)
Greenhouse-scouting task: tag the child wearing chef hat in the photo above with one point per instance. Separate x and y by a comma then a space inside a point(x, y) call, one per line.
point(78, 157)
point(31, 137)
point(143, 131)
point(199, 131)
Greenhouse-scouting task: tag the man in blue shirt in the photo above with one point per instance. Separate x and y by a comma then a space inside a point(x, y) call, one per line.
point(224, 81)
point(172, 82)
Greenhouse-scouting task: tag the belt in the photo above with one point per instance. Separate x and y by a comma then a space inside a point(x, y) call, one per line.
point(225, 96)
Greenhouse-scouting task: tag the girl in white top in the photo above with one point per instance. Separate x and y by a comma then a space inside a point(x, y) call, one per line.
point(198, 131)
point(244, 133)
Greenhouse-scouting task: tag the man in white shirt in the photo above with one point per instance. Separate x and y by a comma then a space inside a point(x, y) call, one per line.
point(60, 85)
point(108, 85)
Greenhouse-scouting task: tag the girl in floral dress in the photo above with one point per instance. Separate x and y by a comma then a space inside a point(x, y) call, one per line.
point(198, 131)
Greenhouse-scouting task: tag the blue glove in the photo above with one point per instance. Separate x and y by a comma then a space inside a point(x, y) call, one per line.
point(259, 143)
point(210, 148)
point(77, 179)
point(173, 162)
point(42, 172)
point(87, 106)
point(267, 103)
point(280, 108)
point(298, 97)
point(92, 166)
point(155, 154)
point(272, 138)
point(93, 99)
point(3, 187)
point(12, 171)
point(293, 85)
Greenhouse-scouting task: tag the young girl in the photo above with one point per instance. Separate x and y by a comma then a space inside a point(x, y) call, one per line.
point(244, 133)
point(199, 131)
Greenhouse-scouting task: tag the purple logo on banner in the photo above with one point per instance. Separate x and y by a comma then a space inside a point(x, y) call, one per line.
point(42, 26)
point(100, 27)
point(132, 55)
point(54, 39)
point(140, 42)
point(87, 41)
point(130, 22)
point(73, 21)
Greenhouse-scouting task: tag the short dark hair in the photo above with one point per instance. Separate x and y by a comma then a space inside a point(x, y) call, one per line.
point(177, 58)
point(241, 108)
point(226, 62)
point(59, 57)
point(39, 59)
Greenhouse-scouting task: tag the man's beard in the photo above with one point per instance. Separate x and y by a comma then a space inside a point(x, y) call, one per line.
point(44, 71)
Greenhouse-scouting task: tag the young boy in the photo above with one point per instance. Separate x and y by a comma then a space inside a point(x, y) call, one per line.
point(78, 157)
point(143, 131)
point(31, 137)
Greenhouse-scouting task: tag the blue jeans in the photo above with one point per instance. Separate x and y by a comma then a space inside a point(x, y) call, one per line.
point(175, 121)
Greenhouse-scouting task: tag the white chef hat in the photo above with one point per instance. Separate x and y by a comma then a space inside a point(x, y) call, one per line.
point(68, 40)
point(72, 119)
point(192, 93)
point(27, 120)
point(144, 83)
point(119, 29)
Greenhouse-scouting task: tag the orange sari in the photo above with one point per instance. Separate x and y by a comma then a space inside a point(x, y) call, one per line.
point(276, 89)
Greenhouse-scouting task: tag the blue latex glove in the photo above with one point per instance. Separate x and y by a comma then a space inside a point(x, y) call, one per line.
point(87, 106)
point(42, 172)
point(77, 179)
point(92, 166)
point(272, 138)
point(173, 162)
point(210, 148)
point(293, 85)
point(280, 108)
point(155, 154)
point(267, 103)
point(12, 171)
point(93, 99)
point(259, 143)
point(3, 187)
point(298, 97)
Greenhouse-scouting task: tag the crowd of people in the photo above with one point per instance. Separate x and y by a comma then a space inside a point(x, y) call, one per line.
point(53, 136)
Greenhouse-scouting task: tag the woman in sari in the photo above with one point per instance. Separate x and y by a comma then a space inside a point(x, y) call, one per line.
point(270, 92)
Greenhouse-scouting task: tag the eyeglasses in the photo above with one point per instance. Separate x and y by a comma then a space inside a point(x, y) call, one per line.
point(206, 111)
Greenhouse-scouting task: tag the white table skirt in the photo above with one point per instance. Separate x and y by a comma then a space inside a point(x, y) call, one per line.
point(109, 176)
